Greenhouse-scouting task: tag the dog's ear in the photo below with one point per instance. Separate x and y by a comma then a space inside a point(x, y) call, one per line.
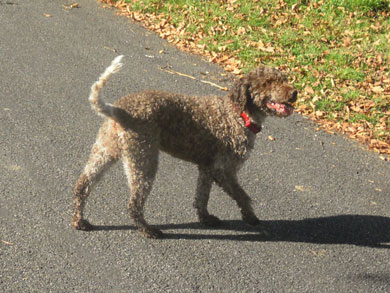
point(239, 93)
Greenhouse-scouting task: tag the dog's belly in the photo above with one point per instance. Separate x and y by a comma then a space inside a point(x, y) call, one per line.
point(200, 149)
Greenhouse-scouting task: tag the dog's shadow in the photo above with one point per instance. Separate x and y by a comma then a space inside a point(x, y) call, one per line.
point(361, 230)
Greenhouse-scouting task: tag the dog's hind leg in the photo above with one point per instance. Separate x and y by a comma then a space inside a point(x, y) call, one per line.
point(140, 163)
point(100, 158)
point(205, 181)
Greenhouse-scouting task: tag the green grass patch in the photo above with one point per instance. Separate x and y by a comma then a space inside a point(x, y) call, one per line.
point(336, 50)
point(361, 5)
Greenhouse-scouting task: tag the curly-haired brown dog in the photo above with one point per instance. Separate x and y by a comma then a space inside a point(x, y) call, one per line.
point(215, 133)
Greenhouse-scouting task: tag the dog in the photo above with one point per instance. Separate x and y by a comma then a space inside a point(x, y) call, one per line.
point(215, 133)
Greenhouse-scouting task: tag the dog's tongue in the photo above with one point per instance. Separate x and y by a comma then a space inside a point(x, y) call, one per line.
point(282, 109)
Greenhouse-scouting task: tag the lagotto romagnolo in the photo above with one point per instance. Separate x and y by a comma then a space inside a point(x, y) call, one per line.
point(215, 133)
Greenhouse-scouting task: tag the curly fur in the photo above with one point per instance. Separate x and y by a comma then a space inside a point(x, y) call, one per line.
point(207, 131)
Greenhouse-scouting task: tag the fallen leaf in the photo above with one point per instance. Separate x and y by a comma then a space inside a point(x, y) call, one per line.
point(300, 188)
point(377, 89)
point(320, 252)
point(319, 114)
point(309, 90)
point(268, 49)
point(71, 6)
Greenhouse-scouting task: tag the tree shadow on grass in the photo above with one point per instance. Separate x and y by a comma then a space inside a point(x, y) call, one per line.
point(360, 230)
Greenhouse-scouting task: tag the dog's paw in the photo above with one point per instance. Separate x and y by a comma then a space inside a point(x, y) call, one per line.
point(150, 232)
point(210, 221)
point(83, 225)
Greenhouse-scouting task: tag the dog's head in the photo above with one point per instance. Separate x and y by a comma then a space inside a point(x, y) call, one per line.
point(264, 91)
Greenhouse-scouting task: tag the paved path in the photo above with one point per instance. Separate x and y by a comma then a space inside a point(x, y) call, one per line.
point(324, 199)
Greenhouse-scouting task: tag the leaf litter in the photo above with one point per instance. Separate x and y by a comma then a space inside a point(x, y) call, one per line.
point(339, 60)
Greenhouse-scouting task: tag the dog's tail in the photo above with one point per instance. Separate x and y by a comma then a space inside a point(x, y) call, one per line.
point(98, 105)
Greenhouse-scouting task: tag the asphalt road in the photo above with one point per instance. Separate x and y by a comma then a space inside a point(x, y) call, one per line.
point(324, 200)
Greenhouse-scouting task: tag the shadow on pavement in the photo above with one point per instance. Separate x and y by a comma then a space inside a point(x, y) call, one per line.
point(361, 230)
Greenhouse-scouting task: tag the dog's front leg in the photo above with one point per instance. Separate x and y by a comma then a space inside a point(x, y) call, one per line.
point(205, 181)
point(228, 181)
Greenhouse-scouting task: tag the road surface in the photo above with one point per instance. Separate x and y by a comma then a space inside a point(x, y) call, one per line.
point(323, 198)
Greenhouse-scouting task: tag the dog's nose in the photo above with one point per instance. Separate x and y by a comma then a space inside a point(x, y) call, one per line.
point(294, 96)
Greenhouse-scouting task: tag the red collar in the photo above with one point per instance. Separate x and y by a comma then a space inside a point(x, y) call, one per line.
point(249, 124)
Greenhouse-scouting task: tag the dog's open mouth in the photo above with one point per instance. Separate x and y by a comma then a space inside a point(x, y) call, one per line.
point(280, 109)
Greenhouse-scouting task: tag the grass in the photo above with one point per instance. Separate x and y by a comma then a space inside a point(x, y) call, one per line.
point(337, 52)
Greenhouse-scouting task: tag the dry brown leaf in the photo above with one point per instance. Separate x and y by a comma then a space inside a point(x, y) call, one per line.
point(309, 90)
point(377, 89)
